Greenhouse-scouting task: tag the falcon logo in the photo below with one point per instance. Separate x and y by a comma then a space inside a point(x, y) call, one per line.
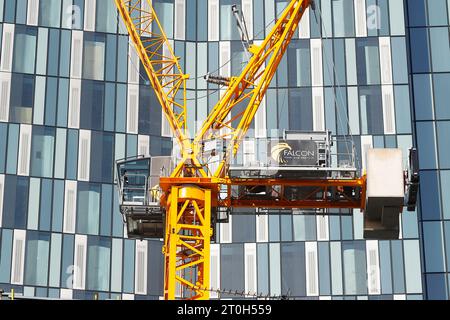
point(278, 150)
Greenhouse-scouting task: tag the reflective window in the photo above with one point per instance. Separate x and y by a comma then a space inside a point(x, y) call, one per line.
point(92, 105)
point(440, 49)
point(445, 186)
point(433, 247)
point(231, 271)
point(417, 13)
point(419, 50)
point(398, 272)
point(102, 156)
point(149, 112)
point(437, 12)
point(6, 237)
point(244, 226)
point(42, 151)
point(3, 141)
point(443, 134)
point(22, 93)
point(430, 199)
point(16, 207)
point(53, 52)
point(300, 109)
point(105, 20)
point(228, 25)
point(67, 261)
point(441, 95)
point(426, 140)
point(324, 268)
point(354, 264)
point(343, 18)
point(164, 9)
point(299, 62)
point(37, 253)
point(293, 273)
point(24, 49)
point(367, 57)
point(94, 56)
point(98, 263)
point(49, 13)
point(436, 289)
point(88, 208)
point(371, 110)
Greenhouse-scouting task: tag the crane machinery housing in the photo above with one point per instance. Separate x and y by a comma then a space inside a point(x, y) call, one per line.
point(181, 199)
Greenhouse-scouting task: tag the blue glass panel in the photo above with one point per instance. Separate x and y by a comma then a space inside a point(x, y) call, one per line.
point(155, 280)
point(419, 50)
point(429, 195)
point(417, 13)
point(244, 227)
point(402, 109)
point(50, 13)
point(92, 105)
point(300, 109)
point(385, 267)
point(293, 273)
point(58, 205)
point(426, 145)
point(3, 140)
point(398, 273)
point(53, 53)
point(10, 10)
point(24, 49)
point(63, 98)
point(88, 208)
point(443, 133)
point(13, 143)
point(67, 261)
point(45, 211)
point(64, 56)
point(72, 152)
point(105, 218)
point(15, 209)
point(21, 103)
point(324, 268)
point(5, 255)
point(111, 56)
point(433, 242)
point(263, 267)
point(37, 253)
point(231, 271)
point(436, 288)
point(441, 95)
point(42, 151)
point(149, 112)
point(354, 264)
point(98, 263)
point(128, 266)
point(50, 101)
point(102, 157)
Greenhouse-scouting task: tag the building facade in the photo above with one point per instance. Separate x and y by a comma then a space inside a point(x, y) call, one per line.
point(73, 99)
point(428, 42)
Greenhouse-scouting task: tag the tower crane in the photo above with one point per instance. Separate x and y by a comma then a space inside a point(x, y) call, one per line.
point(182, 200)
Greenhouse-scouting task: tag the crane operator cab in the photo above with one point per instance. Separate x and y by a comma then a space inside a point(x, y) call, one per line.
point(139, 193)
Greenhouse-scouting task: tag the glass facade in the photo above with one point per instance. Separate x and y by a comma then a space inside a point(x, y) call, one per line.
point(428, 40)
point(73, 99)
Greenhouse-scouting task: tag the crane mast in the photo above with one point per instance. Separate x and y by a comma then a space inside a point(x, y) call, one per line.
point(185, 209)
